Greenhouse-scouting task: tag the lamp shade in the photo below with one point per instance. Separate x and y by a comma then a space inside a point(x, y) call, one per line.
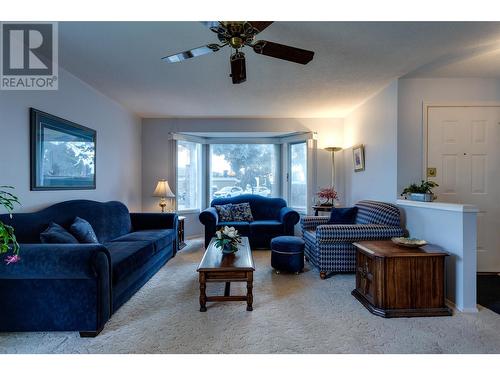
point(163, 190)
point(333, 149)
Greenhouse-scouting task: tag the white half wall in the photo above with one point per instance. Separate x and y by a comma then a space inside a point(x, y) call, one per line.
point(157, 150)
point(373, 124)
point(118, 155)
point(412, 94)
point(453, 228)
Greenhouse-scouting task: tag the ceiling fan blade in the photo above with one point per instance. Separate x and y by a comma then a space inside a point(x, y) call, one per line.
point(195, 52)
point(280, 51)
point(260, 25)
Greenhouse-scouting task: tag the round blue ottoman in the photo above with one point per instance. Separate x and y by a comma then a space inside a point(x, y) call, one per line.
point(287, 254)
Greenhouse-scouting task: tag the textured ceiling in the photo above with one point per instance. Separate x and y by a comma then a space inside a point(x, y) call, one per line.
point(353, 60)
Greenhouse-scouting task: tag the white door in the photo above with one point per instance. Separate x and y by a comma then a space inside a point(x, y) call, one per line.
point(464, 147)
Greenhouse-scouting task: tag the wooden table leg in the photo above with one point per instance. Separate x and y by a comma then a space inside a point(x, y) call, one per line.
point(203, 295)
point(249, 291)
point(227, 289)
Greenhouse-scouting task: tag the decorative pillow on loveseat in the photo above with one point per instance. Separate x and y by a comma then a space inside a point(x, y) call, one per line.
point(225, 212)
point(83, 231)
point(242, 212)
point(345, 215)
point(56, 234)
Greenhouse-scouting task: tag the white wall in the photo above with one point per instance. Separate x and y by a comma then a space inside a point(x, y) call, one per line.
point(374, 124)
point(118, 142)
point(452, 227)
point(412, 94)
point(158, 151)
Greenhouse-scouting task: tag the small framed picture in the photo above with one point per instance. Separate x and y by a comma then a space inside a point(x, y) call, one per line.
point(358, 156)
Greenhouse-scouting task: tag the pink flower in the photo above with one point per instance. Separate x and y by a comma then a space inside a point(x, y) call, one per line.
point(327, 193)
point(10, 259)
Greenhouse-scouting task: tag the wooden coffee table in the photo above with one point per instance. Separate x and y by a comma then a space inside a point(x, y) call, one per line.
point(216, 267)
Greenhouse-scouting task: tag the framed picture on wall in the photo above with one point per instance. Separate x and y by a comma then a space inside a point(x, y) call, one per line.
point(63, 154)
point(358, 156)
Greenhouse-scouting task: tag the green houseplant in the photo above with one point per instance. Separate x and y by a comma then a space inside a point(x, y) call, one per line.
point(7, 237)
point(422, 192)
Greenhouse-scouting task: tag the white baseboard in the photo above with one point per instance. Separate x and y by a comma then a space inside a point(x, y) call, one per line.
point(467, 310)
point(194, 237)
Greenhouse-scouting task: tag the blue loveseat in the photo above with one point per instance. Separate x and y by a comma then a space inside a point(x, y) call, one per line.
point(77, 287)
point(271, 216)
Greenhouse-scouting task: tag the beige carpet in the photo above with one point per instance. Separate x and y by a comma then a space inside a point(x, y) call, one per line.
point(292, 314)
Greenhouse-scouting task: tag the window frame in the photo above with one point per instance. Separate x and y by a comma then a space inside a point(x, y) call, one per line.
point(200, 183)
point(288, 176)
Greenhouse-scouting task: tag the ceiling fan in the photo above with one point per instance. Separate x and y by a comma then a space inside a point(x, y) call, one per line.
point(236, 35)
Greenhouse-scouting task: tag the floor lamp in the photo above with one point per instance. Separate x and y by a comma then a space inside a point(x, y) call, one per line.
point(333, 150)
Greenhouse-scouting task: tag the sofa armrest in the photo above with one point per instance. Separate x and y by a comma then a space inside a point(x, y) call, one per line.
point(63, 261)
point(61, 287)
point(209, 216)
point(311, 222)
point(289, 218)
point(209, 219)
point(143, 221)
point(331, 233)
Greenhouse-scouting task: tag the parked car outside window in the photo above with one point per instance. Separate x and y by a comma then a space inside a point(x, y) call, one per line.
point(228, 192)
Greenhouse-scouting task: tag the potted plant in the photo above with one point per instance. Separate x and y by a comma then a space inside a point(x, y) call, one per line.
point(327, 196)
point(227, 239)
point(8, 240)
point(422, 192)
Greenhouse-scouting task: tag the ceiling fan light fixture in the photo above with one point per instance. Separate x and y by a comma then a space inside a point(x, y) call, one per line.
point(238, 68)
point(238, 34)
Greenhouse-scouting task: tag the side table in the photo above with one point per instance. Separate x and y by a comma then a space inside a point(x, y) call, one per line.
point(318, 208)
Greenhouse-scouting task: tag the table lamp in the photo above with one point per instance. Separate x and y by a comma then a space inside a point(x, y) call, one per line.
point(163, 191)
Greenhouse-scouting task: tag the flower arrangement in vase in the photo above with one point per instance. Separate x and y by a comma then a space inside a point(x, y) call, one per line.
point(8, 239)
point(227, 239)
point(327, 196)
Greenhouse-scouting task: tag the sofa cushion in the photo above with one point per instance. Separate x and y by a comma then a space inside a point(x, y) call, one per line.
point(109, 220)
point(126, 257)
point(263, 208)
point(346, 215)
point(160, 238)
point(242, 227)
point(224, 211)
point(56, 234)
point(83, 231)
point(241, 212)
point(266, 228)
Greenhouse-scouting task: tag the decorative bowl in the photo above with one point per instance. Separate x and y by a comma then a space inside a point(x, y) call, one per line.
point(408, 242)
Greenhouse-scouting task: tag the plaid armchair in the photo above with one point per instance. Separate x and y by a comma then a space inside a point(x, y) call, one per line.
point(329, 247)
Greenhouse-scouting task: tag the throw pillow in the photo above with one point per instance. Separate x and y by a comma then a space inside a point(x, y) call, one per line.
point(343, 215)
point(83, 231)
point(224, 211)
point(56, 234)
point(242, 212)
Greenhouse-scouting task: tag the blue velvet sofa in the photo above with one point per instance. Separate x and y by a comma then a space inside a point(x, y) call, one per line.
point(271, 216)
point(77, 287)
